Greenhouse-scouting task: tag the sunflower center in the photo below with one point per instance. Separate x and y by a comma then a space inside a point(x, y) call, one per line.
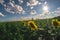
point(55, 23)
point(32, 25)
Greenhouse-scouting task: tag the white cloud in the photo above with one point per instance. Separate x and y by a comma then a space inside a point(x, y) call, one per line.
point(14, 8)
point(51, 14)
point(20, 1)
point(57, 12)
point(1, 1)
point(11, 4)
point(33, 3)
point(19, 9)
point(40, 3)
point(44, 15)
point(1, 14)
point(33, 12)
point(32, 7)
point(45, 3)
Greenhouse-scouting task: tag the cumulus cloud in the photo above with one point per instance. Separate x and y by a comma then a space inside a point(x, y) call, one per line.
point(45, 3)
point(12, 4)
point(57, 12)
point(1, 14)
point(33, 12)
point(44, 15)
point(14, 8)
point(33, 3)
point(50, 14)
point(1, 1)
point(20, 1)
point(32, 7)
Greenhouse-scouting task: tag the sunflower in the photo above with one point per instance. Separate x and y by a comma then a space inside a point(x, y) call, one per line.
point(32, 25)
point(55, 23)
point(59, 22)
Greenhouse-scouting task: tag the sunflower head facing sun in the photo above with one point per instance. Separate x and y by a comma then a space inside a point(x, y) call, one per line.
point(32, 25)
point(56, 23)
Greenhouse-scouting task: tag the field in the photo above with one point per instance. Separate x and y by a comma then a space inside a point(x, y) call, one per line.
point(20, 30)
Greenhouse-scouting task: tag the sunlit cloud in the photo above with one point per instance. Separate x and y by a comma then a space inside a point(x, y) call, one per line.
point(32, 7)
point(20, 1)
point(12, 4)
point(14, 8)
point(52, 14)
point(57, 12)
point(43, 15)
point(45, 3)
point(33, 12)
point(17, 8)
point(1, 14)
point(33, 3)
point(1, 1)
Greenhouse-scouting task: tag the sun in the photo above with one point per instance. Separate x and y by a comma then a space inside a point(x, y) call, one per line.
point(45, 8)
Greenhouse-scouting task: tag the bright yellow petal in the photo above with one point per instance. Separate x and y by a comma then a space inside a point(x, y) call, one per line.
point(56, 23)
point(32, 25)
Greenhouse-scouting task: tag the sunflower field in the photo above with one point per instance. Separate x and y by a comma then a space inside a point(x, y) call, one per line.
point(39, 29)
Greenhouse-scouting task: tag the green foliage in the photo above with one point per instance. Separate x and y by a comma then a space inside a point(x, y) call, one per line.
point(17, 31)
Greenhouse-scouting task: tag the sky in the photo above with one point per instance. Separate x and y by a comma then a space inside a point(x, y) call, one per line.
point(15, 10)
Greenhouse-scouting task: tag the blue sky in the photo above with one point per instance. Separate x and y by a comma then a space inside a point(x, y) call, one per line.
point(13, 10)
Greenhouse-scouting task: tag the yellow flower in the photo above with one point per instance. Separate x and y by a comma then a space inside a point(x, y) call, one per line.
point(32, 25)
point(56, 23)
